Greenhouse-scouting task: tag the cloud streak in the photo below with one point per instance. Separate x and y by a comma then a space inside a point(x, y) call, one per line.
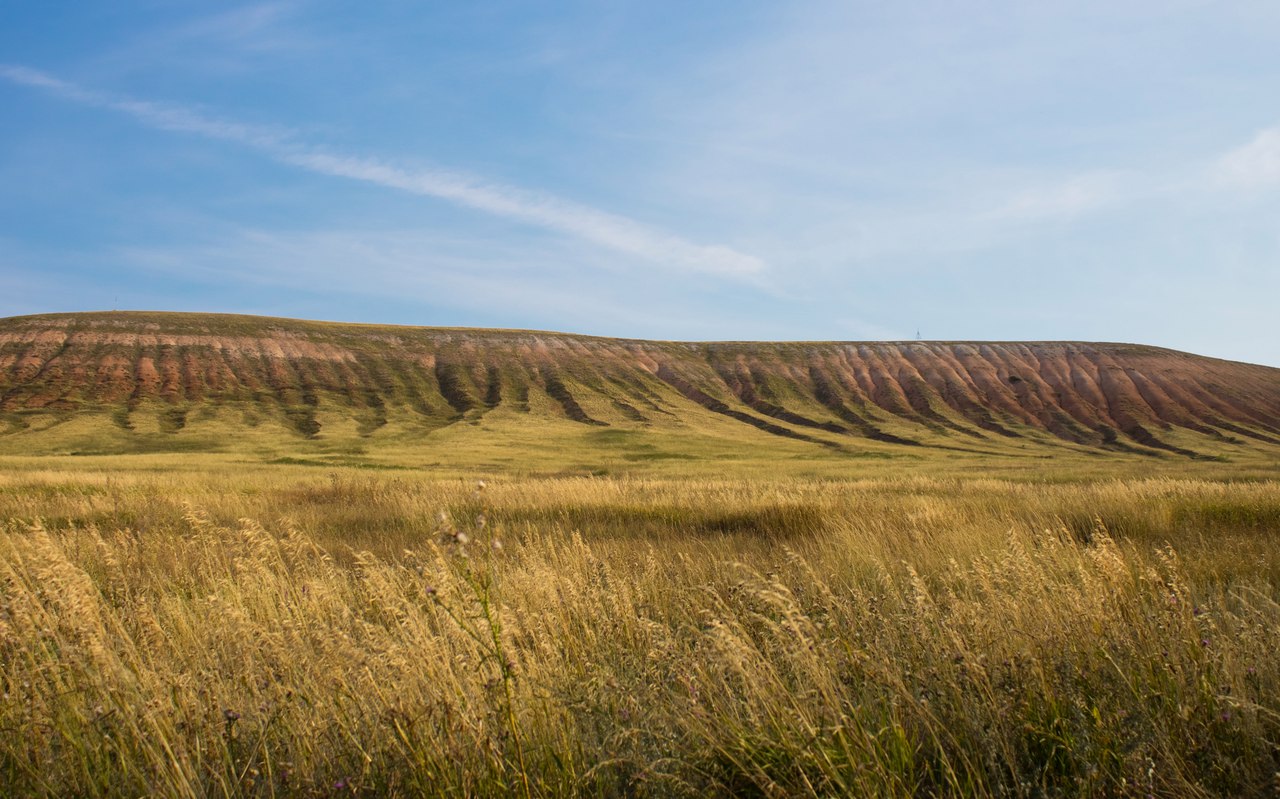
point(548, 212)
point(1254, 165)
point(497, 283)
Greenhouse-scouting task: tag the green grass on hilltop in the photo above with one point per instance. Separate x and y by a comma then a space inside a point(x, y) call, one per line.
point(604, 583)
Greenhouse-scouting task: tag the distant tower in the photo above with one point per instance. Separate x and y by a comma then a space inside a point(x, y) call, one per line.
point(917, 334)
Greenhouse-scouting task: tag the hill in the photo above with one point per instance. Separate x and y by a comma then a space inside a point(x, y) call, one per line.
point(129, 381)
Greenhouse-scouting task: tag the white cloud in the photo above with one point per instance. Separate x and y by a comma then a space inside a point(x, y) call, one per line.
point(255, 27)
point(1069, 198)
point(541, 210)
point(497, 282)
point(599, 227)
point(1255, 164)
point(170, 118)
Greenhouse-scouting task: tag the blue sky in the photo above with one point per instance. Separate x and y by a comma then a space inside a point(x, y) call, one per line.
point(1103, 171)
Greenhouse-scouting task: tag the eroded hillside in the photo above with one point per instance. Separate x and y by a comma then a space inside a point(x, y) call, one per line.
point(838, 396)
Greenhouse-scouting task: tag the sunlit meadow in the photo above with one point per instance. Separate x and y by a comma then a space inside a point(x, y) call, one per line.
point(294, 631)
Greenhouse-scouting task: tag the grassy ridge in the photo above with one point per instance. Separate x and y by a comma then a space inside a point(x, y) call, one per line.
point(139, 383)
point(887, 635)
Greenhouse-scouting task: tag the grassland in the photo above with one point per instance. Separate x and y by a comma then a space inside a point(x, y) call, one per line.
point(764, 622)
point(254, 557)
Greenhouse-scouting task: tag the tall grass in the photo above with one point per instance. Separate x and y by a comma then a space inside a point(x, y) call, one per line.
point(599, 637)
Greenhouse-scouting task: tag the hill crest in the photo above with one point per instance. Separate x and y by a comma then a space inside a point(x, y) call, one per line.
point(841, 396)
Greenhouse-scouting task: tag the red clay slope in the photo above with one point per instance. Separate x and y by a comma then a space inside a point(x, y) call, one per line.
point(1110, 396)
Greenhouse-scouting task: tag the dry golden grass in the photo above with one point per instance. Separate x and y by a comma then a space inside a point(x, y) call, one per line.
point(899, 637)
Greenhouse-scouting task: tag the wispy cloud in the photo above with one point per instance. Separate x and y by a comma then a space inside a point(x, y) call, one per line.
point(545, 211)
point(1074, 196)
point(612, 231)
point(1255, 164)
point(499, 283)
point(156, 115)
point(260, 26)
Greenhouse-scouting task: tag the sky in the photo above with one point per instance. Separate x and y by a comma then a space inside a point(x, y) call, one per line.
point(856, 170)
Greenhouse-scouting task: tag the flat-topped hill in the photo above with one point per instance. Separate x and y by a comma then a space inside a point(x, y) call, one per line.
point(154, 375)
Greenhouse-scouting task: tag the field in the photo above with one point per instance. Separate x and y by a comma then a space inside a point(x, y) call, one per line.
point(263, 557)
point(221, 625)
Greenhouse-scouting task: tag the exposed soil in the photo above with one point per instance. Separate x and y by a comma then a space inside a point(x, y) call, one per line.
point(1109, 396)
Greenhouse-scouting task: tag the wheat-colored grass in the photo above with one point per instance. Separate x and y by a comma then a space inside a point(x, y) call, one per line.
point(283, 632)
